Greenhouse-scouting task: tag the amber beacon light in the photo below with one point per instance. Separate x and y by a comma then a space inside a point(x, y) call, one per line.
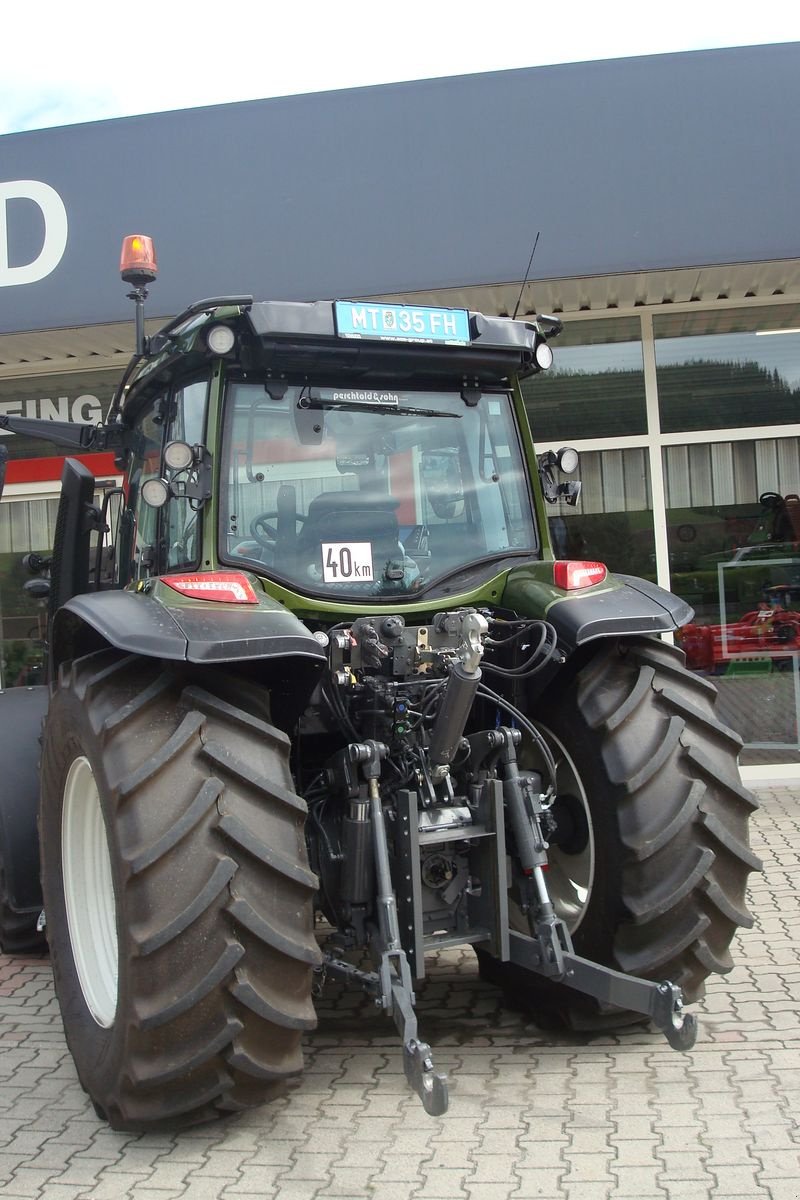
point(138, 264)
point(138, 267)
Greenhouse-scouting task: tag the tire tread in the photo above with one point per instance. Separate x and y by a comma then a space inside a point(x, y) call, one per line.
point(217, 930)
point(695, 848)
point(670, 813)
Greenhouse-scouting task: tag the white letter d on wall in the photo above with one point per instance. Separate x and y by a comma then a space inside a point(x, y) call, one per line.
point(55, 231)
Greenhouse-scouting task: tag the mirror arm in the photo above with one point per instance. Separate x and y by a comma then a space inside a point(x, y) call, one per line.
point(68, 433)
point(547, 460)
point(199, 486)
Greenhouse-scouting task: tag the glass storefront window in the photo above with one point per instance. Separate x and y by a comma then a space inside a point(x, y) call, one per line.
point(613, 519)
point(81, 398)
point(733, 526)
point(595, 387)
point(25, 525)
point(728, 369)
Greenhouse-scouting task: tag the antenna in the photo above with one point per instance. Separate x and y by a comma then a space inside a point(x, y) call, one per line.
point(527, 273)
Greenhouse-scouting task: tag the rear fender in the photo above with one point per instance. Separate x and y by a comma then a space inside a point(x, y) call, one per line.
point(621, 606)
point(192, 631)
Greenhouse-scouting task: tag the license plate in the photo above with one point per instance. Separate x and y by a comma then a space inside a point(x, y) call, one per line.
point(402, 323)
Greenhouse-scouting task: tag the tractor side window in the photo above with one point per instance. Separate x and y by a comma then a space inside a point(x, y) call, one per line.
point(182, 519)
point(105, 541)
point(139, 524)
point(152, 539)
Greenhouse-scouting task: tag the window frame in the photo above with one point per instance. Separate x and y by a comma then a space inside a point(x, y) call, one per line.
point(506, 394)
point(130, 517)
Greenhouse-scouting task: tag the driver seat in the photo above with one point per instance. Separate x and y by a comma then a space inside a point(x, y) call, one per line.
point(351, 516)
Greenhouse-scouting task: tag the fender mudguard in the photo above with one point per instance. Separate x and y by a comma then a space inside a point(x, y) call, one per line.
point(196, 632)
point(638, 606)
point(22, 711)
point(621, 606)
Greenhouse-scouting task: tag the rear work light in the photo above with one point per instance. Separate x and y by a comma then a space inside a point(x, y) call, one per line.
point(572, 575)
point(230, 587)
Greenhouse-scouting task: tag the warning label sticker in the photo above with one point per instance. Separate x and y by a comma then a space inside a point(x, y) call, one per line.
point(346, 562)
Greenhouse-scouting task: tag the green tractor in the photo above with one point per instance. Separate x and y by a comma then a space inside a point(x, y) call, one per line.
point(322, 702)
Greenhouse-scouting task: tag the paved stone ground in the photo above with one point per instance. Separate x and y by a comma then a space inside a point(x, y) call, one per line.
point(531, 1115)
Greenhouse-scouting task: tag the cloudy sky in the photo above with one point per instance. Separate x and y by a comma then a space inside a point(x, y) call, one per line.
point(86, 61)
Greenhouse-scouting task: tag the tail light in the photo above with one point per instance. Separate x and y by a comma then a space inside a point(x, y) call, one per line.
point(230, 587)
point(572, 574)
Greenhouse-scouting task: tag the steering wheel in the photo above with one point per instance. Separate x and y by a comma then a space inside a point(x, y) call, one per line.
point(265, 534)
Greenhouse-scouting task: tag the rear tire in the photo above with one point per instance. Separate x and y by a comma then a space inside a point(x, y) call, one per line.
point(177, 892)
point(22, 712)
point(665, 880)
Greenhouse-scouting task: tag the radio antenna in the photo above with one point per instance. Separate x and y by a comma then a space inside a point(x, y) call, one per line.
point(527, 273)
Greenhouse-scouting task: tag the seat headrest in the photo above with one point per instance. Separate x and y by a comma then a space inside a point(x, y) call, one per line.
point(328, 502)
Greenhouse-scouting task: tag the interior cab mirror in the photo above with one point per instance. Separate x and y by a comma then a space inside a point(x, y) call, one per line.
point(440, 471)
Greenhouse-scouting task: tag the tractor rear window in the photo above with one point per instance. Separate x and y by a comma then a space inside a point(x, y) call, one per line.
point(370, 492)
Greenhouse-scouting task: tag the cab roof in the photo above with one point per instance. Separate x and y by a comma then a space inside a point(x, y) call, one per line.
point(369, 339)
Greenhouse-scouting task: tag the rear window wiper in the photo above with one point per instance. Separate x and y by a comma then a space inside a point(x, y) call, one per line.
point(400, 410)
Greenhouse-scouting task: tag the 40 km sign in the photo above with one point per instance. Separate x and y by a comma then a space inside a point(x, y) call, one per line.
point(346, 562)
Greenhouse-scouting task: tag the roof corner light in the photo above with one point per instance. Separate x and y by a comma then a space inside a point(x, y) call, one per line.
point(544, 356)
point(138, 264)
point(567, 459)
point(573, 574)
point(229, 587)
point(220, 339)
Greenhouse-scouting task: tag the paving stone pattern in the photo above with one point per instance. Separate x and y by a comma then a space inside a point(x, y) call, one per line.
point(531, 1115)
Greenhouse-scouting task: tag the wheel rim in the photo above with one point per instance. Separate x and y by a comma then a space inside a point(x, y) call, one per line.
point(569, 876)
point(89, 893)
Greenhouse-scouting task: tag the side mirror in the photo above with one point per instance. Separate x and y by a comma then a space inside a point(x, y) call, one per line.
point(570, 491)
point(566, 460)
